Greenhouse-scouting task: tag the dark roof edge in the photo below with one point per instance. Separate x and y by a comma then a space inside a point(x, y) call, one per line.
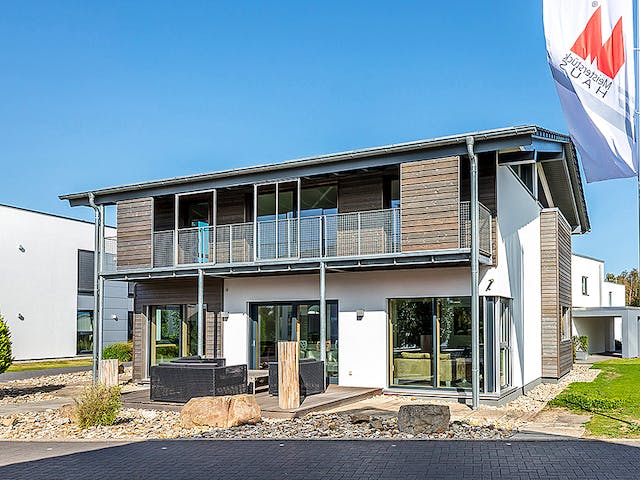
point(55, 215)
point(332, 157)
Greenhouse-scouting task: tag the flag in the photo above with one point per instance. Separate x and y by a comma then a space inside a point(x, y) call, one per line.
point(590, 52)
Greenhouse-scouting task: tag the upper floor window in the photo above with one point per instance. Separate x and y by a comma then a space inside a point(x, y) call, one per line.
point(85, 271)
point(585, 289)
point(565, 324)
point(610, 299)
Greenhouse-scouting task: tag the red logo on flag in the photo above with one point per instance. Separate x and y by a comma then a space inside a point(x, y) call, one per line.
point(610, 55)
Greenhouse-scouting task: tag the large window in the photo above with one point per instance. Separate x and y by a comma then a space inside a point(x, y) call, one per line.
point(585, 285)
point(565, 323)
point(431, 342)
point(84, 329)
point(320, 200)
point(173, 332)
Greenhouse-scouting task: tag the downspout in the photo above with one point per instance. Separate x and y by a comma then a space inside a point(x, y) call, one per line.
point(475, 299)
point(96, 271)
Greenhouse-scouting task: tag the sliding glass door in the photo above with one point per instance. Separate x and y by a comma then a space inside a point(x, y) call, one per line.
point(291, 321)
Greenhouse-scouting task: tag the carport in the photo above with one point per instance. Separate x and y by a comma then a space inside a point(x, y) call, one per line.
point(597, 323)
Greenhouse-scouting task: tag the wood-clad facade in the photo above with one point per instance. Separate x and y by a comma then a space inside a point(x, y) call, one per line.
point(430, 199)
point(134, 236)
point(555, 264)
point(176, 291)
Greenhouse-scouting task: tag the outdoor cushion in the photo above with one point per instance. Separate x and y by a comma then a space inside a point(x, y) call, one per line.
point(415, 355)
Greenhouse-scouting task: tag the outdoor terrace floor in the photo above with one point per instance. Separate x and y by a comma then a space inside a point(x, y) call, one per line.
point(334, 396)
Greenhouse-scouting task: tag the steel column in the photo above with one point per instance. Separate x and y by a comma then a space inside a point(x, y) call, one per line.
point(200, 312)
point(323, 319)
point(96, 288)
point(99, 254)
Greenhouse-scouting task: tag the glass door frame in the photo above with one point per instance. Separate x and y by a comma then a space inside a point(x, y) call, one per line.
point(152, 325)
point(254, 328)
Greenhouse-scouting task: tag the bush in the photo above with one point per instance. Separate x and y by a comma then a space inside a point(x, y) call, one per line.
point(120, 351)
point(5, 346)
point(98, 405)
point(581, 343)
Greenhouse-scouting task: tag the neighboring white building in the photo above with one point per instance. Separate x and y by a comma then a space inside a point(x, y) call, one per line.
point(599, 310)
point(46, 286)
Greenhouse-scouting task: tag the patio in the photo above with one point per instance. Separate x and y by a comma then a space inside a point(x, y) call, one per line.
point(335, 396)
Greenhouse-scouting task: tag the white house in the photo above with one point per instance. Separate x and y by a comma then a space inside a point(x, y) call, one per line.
point(599, 310)
point(374, 241)
point(46, 286)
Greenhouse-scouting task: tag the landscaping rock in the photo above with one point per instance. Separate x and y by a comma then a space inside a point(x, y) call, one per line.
point(425, 418)
point(220, 412)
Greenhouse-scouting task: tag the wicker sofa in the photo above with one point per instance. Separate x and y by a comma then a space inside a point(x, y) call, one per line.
point(182, 381)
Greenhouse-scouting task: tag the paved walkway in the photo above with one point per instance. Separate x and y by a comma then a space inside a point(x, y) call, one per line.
point(352, 460)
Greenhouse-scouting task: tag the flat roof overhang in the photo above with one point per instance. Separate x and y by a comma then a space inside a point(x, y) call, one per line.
point(582, 312)
point(460, 258)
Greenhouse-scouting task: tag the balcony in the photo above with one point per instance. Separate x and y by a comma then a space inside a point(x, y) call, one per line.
point(343, 235)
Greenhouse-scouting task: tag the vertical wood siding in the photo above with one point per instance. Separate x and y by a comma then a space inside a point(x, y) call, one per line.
point(135, 222)
point(139, 345)
point(487, 191)
point(179, 291)
point(231, 207)
point(555, 251)
point(430, 199)
point(360, 193)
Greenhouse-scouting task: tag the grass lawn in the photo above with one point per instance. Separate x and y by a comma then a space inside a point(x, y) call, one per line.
point(21, 367)
point(613, 399)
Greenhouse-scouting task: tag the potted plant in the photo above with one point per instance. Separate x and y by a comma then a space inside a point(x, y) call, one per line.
point(581, 344)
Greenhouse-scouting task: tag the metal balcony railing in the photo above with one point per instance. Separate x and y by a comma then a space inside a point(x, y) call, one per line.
point(352, 234)
point(484, 228)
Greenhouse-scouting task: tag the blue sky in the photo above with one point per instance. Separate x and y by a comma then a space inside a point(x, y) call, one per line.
point(104, 93)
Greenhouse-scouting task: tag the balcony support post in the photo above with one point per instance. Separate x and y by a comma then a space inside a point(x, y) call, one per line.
point(200, 312)
point(96, 282)
point(475, 298)
point(176, 217)
point(323, 320)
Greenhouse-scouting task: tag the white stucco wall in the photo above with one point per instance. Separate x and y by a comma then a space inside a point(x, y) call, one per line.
point(517, 274)
point(593, 270)
point(41, 283)
point(364, 344)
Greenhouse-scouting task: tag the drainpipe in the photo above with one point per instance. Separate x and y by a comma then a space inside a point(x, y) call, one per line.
point(96, 289)
point(100, 322)
point(475, 299)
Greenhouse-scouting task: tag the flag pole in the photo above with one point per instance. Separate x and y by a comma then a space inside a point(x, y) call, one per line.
point(636, 52)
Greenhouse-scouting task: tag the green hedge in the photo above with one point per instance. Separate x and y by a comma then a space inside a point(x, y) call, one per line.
point(120, 351)
point(5, 346)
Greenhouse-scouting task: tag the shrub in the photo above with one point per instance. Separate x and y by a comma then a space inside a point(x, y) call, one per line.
point(5, 346)
point(98, 405)
point(120, 351)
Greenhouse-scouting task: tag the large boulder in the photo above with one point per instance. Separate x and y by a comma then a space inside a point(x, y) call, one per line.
point(220, 412)
point(423, 418)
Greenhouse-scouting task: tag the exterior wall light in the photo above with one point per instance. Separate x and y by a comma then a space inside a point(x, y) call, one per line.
point(359, 314)
point(21, 317)
point(21, 248)
point(224, 316)
point(114, 317)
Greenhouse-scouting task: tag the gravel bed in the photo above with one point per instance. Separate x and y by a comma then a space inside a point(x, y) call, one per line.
point(39, 388)
point(146, 424)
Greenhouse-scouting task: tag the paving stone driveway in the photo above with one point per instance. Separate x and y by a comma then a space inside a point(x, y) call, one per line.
point(353, 460)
